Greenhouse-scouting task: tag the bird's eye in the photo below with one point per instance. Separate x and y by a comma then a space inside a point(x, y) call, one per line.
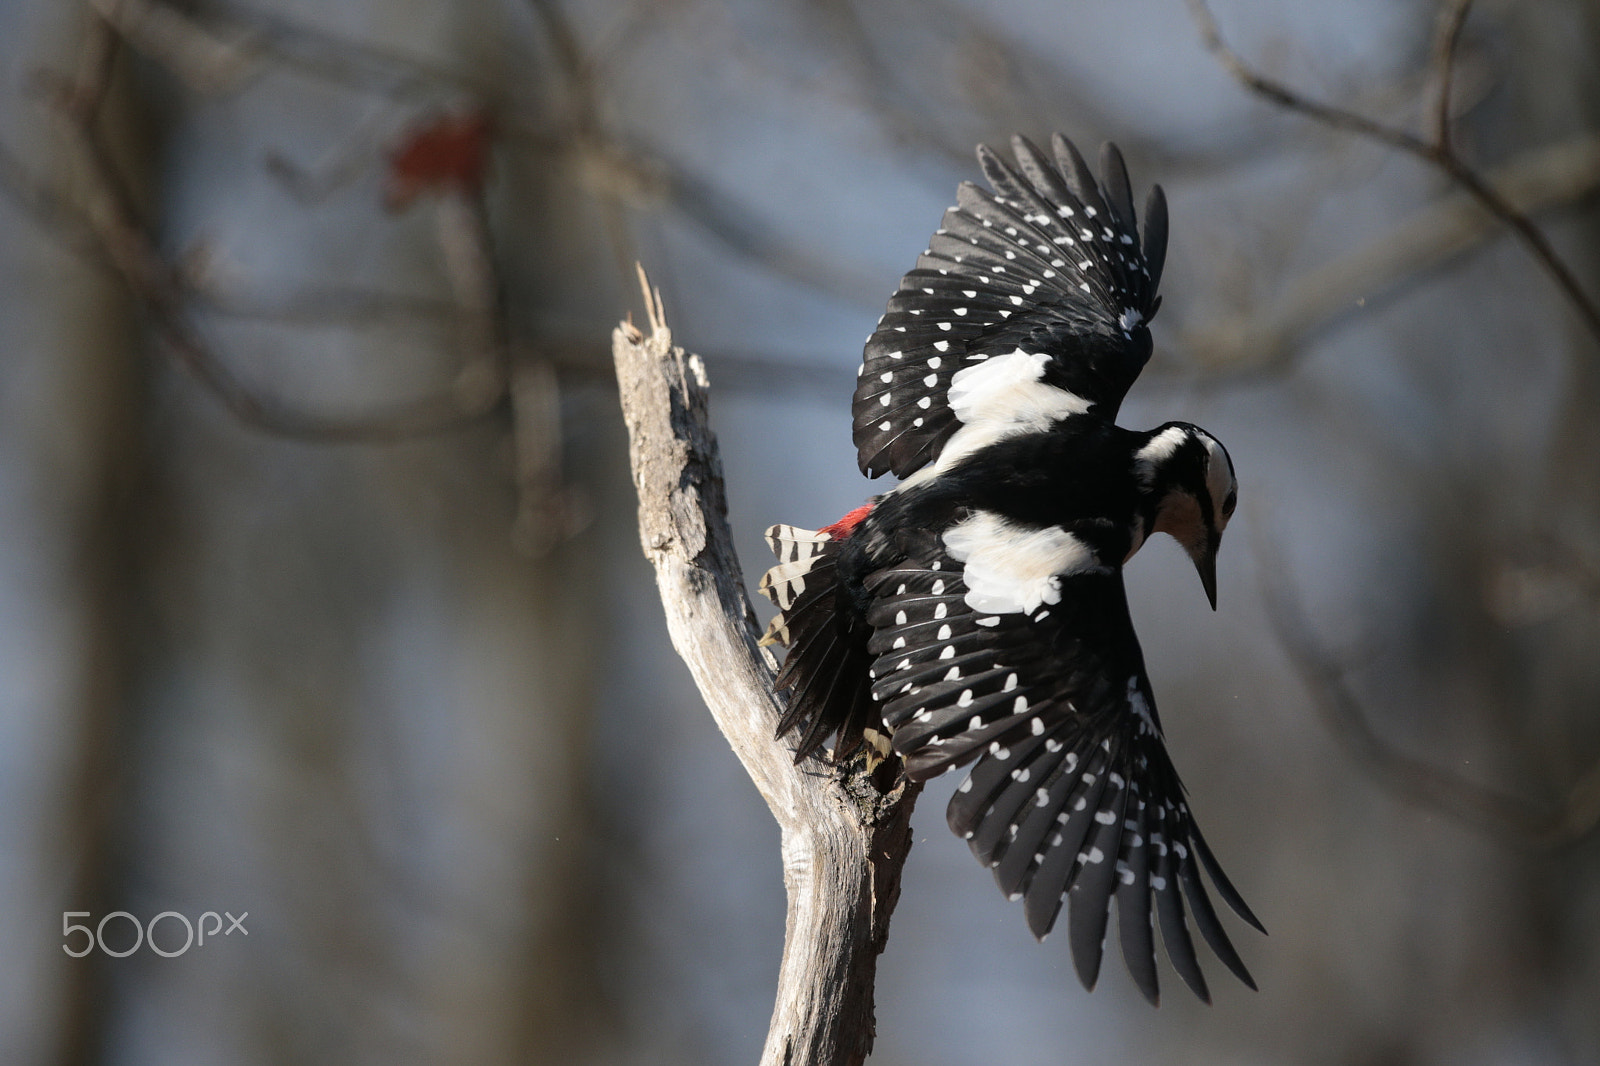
point(1230, 503)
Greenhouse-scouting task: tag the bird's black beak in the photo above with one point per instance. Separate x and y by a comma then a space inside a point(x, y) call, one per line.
point(1205, 561)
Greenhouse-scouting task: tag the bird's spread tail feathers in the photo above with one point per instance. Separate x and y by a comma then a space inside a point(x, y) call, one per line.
point(826, 672)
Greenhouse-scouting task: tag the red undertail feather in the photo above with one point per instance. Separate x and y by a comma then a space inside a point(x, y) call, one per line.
point(847, 525)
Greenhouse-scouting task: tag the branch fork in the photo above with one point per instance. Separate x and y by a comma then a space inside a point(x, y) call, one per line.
point(845, 830)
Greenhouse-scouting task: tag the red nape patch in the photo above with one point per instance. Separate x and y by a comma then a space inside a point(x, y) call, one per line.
point(847, 525)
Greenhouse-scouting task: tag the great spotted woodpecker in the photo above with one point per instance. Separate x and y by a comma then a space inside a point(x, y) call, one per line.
point(975, 613)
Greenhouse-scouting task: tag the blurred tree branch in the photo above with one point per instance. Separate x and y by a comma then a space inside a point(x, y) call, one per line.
point(1451, 18)
point(225, 50)
point(1267, 340)
point(1428, 785)
point(1562, 173)
point(845, 830)
point(443, 159)
point(1437, 151)
point(120, 238)
point(98, 220)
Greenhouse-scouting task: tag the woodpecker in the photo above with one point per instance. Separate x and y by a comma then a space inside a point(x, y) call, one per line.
point(975, 613)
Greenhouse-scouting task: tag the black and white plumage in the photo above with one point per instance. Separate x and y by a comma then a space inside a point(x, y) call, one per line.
point(975, 614)
point(1047, 277)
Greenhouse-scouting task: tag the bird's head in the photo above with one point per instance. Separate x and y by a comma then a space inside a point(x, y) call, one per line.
point(1189, 483)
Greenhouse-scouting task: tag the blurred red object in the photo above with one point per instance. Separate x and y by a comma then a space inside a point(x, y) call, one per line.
point(445, 153)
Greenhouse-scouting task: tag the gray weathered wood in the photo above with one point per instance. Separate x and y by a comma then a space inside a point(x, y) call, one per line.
point(845, 831)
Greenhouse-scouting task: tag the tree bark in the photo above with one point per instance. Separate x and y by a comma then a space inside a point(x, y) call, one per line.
point(845, 830)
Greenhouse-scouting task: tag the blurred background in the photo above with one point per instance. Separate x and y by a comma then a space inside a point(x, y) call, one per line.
point(322, 598)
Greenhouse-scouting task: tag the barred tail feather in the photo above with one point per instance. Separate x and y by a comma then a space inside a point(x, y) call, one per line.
point(789, 543)
point(826, 672)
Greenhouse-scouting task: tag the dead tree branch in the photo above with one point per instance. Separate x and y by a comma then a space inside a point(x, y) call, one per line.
point(845, 830)
point(1437, 151)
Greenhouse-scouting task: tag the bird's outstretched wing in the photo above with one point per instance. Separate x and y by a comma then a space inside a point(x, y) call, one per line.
point(1037, 678)
point(1030, 304)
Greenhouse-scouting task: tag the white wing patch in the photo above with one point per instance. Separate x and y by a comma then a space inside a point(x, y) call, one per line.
point(1010, 388)
point(1011, 568)
point(1002, 396)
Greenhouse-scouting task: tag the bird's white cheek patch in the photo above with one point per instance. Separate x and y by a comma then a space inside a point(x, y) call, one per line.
point(1011, 569)
point(1219, 478)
